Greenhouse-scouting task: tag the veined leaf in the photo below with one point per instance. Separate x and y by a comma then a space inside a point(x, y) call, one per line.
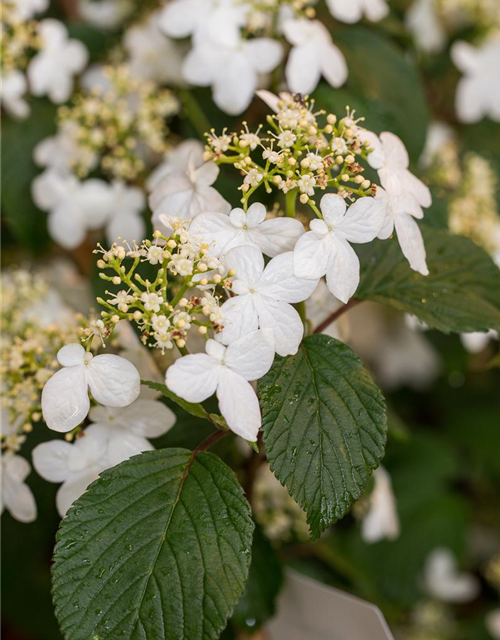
point(158, 547)
point(461, 292)
point(324, 427)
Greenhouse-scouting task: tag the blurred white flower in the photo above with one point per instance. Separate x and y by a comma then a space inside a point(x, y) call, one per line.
point(26, 9)
point(227, 371)
point(105, 14)
point(16, 496)
point(188, 151)
point(381, 520)
point(477, 92)
point(151, 55)
point(426, 27)
point(439, 135)
point(443, 581)
point(13, 90)
point(313, 55)
point(353, 10)
point(477, 341)
point(251, 228)
point(493, 623)
point(264, 298)
point(125, 219)
point(232, 70)
point(325, 249)
point(61, 150)
point(185, 194)
point(113, 381)
point(51, 71)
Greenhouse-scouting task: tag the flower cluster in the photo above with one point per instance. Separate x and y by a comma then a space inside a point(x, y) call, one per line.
point(36, 55)
point(118, 120)
point(180, 296)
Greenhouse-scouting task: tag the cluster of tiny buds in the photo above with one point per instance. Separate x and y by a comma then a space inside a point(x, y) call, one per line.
point(303, 151)
point(185, 292)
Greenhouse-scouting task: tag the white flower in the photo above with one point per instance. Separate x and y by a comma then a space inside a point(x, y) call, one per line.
point(477, 341)
point(224, 232)
point(151, 301)
point(313, 55)
point(264, 297)
point(74, 206)
point(113, 381)
point(217, 20)
point(26, 9)
point(185, 194)
point(125, 207)
point(424, 23)
point(60, 151)
point(75, 464)
point(105, 14)
point(188, 151)
point(232, 70)
point(149, 50)
point(326, 249)
point(13, 90)
point(443, 581)
point(439, 135)
point(390, 157)
point(226, 371)
point(16, 496)
point(492, 623)
point(477, 92)
point(353, 10)
point(307, 183)
point(126, 429)
point(382, 520)
point(51, 71)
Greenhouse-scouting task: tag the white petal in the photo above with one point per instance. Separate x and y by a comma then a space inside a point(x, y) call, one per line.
point(395, 152)
point(247, 262)
point(264, 53)
point(73, 488)
point(235, 85)
point(240, 317)
point(194, 377)
point(342, 276)
point(120, 444)
point(252, 355)
point(206, 174)
point(215, 349)
point(278, 235)
point(126, 225)
point(255, 215)
point(17, 496)
point(411, 243)
point(466, 57)
point(16, 467)
point(148, 418)
point(278, 281)
point(270, 99)
point(376, 156)
point(469, 99)
point(239, 405)
point(346, 10)
point(285, 323)
point(65, 400)
point(113, 381)
point(71, 354)
point(333, 208)
point(215, 228)
point(311, 255)
point(333, 65)
point(179, 18)
point(50, 460)
point(66, 227)
point(303, 69)
point(363, 220)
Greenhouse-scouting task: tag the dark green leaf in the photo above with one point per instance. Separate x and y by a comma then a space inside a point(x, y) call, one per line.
point(265, 579)
point(324, 427)
point(194, 409)
point(461, 293)
point(158, 547)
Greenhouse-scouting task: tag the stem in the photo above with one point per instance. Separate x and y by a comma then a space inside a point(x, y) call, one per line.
point(290, 201)
point(211, 440)
point(336, 314)
point(195, 113)
point(179, 295)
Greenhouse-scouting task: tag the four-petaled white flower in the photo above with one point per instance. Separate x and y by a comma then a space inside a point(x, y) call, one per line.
point(14, 88)
point(381, 521)
point(325, 249)
point(353, 10)
point(443, 581)
point(231, 69)
point(185, 194)
point(16, 496)
point(264, 298)
point(113, 381)
point(227, 372)
point(477, 92)
point(223, 232)
point(313, 55)
point(51, 71)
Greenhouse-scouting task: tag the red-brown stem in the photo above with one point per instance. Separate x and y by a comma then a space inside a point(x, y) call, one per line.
point(206, 444)
point(336, 314)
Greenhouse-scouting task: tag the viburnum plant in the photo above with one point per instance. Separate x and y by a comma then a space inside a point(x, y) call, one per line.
point(160, 545)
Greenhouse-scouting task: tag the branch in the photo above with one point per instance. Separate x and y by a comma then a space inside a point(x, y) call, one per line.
point(336, 314)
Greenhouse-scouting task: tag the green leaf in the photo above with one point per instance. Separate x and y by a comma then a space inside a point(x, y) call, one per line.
point(258, 603)
point(385, 87)
point(324, 427)
point(158, 547)
point(461, 293)
point(192, 408)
